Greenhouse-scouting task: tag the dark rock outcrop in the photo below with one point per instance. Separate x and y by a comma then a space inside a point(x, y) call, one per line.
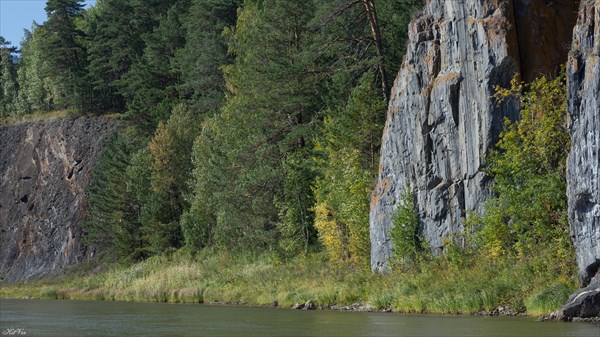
point(44, 172)
point(583, 304)
point(442, 120)
point(583, 172)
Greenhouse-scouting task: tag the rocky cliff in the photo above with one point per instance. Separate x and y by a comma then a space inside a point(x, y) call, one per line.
point(583, 172)
point(442, 120)
point(44, 171)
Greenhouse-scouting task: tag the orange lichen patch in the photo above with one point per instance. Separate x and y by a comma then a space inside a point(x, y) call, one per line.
point(383, 188)
point(497, 25)
point(447, 77)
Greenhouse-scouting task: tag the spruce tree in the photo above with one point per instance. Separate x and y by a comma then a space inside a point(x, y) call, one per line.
point(63, 50)
point(116, 194)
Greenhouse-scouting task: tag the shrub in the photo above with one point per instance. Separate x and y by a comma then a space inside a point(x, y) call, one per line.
point(407, 239)
point(528, 166)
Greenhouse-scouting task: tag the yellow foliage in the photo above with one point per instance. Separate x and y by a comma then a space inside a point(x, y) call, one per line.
point(331, 232)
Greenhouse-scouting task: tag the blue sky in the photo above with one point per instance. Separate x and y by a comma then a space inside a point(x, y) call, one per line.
point(16, 15)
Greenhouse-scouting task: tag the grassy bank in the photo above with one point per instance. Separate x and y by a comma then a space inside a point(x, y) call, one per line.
point(441, 286)
point(47, 116)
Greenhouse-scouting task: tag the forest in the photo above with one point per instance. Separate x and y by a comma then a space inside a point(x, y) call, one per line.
point(255, 126)
point(249, 125)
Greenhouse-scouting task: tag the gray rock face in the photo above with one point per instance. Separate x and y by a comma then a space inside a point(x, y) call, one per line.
point(583, 172)
point(442, 120)
point(44, 172)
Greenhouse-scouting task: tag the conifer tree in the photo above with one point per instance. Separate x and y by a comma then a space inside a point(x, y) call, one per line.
point(65, 54)
point(8, 76)
point(116, 195)
point(117, 43)
point(34, 87)
point(262, 139)
point(199, 62)
point(150, 84)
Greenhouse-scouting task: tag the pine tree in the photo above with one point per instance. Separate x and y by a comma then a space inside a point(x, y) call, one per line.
point(118, 29)
point(65, 54)
point(115, 44)
point(203, 88)
point(262, 139)
point(150, 84)
point(8, 75)
point(34, 87)
point(199, 62)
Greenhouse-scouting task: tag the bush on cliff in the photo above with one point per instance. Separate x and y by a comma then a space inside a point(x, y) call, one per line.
point(529, 210)
point(409, 243)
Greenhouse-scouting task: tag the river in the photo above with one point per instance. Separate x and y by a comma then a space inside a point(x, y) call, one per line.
point(89, 318)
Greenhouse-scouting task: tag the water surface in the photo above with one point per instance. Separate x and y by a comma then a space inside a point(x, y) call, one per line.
point(83, 318)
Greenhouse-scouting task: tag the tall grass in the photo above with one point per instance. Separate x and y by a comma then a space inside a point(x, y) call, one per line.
point(38, 116)
point(46, 116)
point(439, 286)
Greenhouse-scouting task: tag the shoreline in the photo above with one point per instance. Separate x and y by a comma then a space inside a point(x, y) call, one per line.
point(501, 311)
point(439, 286)
point(356, 307)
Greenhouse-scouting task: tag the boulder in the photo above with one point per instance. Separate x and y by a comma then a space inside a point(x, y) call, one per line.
point(583, 304)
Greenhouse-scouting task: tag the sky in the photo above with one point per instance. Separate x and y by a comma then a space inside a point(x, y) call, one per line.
point(16, 15)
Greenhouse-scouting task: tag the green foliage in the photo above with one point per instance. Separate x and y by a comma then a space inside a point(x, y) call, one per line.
point(149, 86)
point(65, 55)
point(199, 62)
point(281, 104)
point(34, 88)
point(530, 204)
point(296, 217)
point(170, 168)
point(203, 87)
point(254, 154)
point(115, 31)
point(113, 225)
point(8, 76)
point(348, 150)
point(549, 299)
point(408, 241)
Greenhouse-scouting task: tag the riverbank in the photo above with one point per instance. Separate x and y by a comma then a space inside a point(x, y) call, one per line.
point(439, 286)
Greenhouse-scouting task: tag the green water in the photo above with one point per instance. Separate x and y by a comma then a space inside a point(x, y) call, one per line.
point(79, 318)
